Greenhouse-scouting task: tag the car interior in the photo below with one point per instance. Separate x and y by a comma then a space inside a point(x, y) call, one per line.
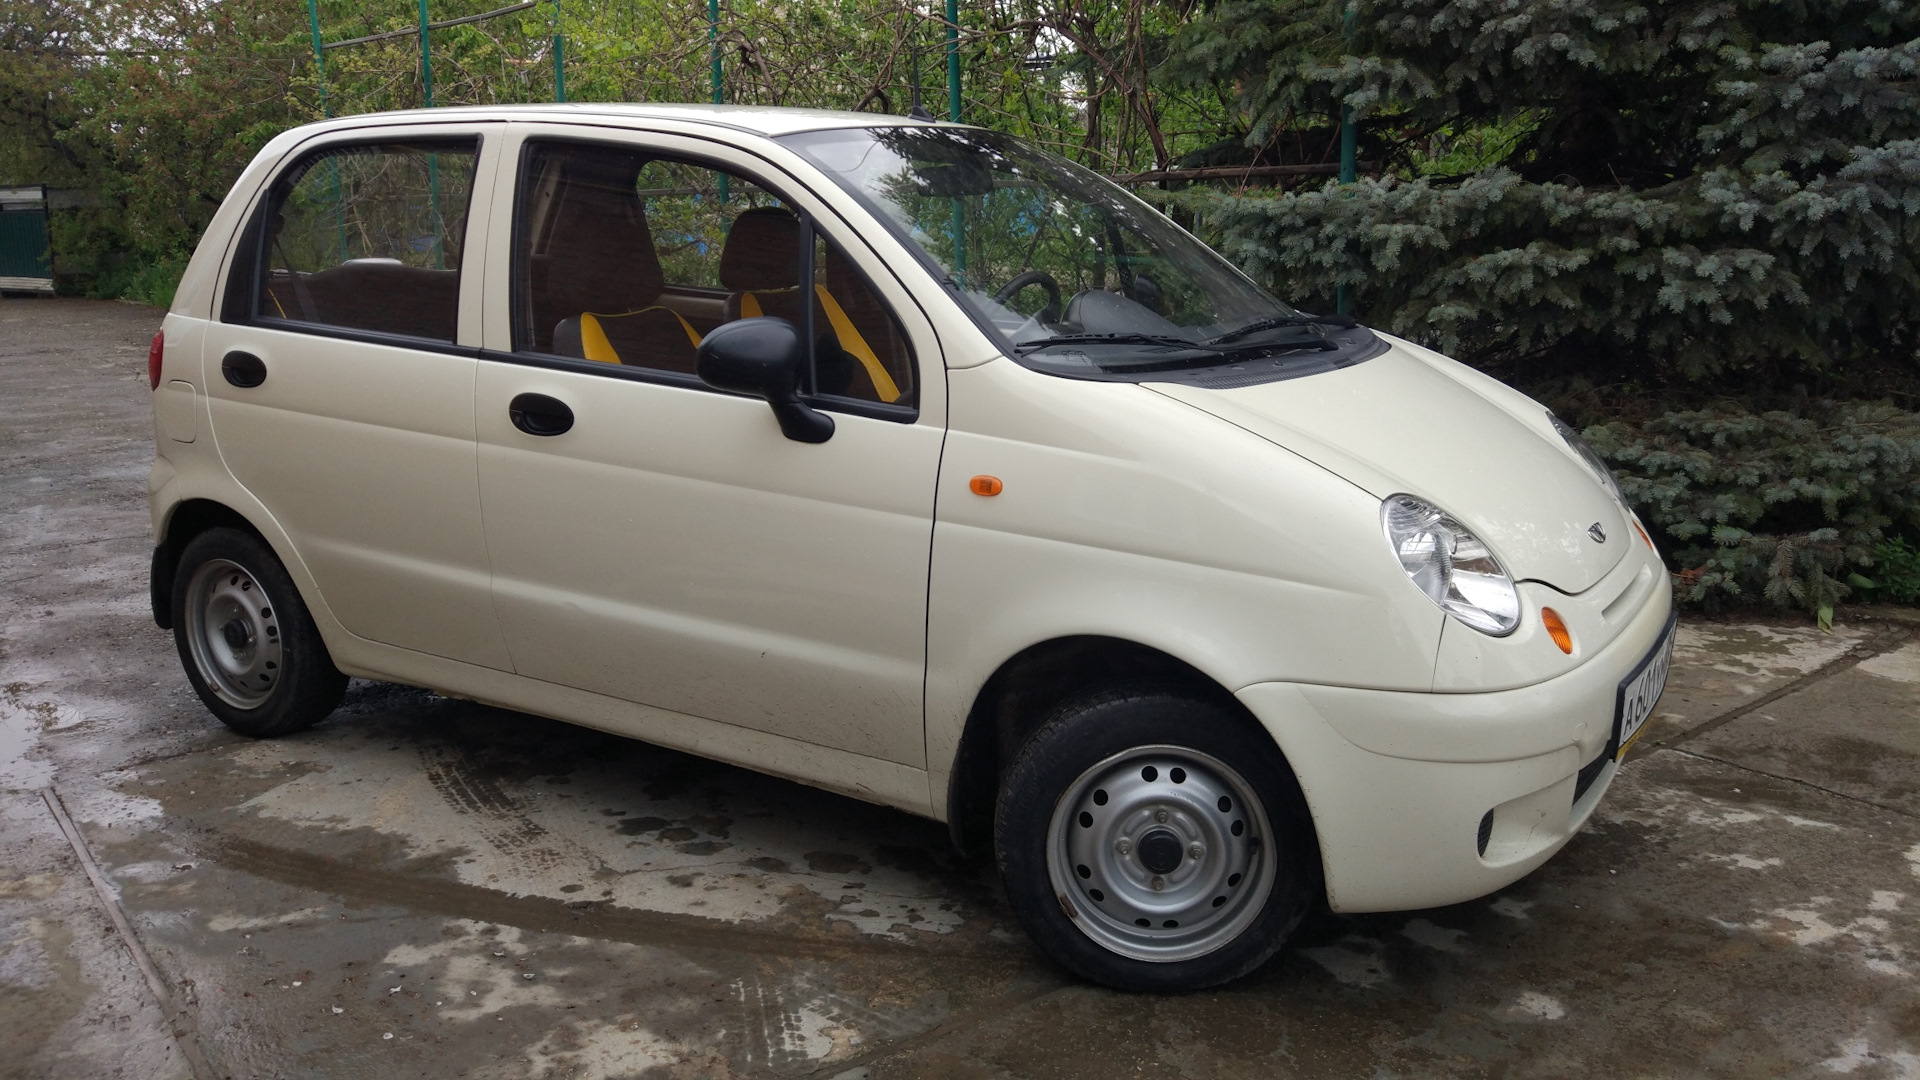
point(368, 238)
point(596, 288)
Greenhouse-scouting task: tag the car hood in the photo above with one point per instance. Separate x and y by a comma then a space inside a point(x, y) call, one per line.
point(1402, 422)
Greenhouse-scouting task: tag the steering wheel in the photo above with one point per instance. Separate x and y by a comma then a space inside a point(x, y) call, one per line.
point(1049, 313)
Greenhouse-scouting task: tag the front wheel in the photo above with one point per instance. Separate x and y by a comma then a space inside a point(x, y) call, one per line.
point(249, 646)
point(1153, 841)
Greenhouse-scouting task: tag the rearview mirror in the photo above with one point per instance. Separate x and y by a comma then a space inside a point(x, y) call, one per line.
point(763, 357)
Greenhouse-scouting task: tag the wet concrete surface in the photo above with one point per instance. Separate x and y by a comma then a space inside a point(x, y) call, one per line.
point(426, 887)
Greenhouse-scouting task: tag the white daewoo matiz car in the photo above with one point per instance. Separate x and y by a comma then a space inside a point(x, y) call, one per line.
point(905, 460)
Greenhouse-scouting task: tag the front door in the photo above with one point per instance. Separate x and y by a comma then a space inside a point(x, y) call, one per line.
point(342, 397)
point(670, 546)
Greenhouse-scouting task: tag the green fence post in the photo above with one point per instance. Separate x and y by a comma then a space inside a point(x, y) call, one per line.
point(326, 110)
point(426, 57)
point(559, 64)
point(713, 45)
point(953, 60)
point(319, 55)
point(953, 114)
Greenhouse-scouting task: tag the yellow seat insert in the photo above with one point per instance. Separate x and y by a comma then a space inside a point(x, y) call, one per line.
point(849, 336)
point(593, 336)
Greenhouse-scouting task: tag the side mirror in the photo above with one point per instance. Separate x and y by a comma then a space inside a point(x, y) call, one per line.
point(763, 357)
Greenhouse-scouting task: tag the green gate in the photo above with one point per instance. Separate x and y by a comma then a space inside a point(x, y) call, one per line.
point(26, 257)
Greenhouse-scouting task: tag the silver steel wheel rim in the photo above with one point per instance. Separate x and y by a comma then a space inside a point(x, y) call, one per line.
point(1109, 846)
point(233, 633)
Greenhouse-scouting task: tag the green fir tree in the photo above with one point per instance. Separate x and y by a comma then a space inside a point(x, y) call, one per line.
point(1719, 192)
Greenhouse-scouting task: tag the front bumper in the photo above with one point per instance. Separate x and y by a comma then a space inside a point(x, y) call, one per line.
point(1401, 784)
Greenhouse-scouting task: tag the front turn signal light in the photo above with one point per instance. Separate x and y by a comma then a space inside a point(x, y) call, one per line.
point(1557, 629)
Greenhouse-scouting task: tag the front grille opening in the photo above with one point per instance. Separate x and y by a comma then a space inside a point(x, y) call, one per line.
point(1589, 773)
point(1486, 832)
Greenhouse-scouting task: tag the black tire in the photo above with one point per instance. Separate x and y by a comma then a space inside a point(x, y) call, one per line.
point(1173, 761)
point(259, 664)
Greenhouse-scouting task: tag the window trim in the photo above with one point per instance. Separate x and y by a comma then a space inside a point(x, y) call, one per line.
point(876, 410)
point(241, 301)
point(369, 337)
point(519, 299)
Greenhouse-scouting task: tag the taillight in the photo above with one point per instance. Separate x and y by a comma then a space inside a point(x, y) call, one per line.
point(155, 353)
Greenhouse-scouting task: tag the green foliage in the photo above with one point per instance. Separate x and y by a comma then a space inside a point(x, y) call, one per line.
point(152, 283)
point(1681, 193)
point(1773, 507)
point(1896, 574)
point(152, 107)
point(149, 107)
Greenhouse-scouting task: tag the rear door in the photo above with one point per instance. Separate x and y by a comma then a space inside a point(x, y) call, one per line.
point(670, 546)
point(341, 374)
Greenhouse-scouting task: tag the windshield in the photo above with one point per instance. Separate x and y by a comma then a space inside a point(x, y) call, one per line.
point(1076, 274)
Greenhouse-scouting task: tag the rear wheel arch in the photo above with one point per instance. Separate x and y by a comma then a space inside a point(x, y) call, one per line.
point(184, 522)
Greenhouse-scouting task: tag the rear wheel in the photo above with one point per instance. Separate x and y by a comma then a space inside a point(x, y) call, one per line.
point(248, 644)
point(1150, 840)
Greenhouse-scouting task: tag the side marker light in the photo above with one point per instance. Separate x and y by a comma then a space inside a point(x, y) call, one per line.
point(1557, 629)
point(1642, 532)
point(155, 353)
point(986, 485)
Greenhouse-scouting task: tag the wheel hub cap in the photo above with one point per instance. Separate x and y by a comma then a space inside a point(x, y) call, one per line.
point(232, 634)
point(1160, 853)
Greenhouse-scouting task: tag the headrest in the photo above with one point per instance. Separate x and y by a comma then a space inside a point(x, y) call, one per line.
point(603, 252)
point(841, 277)
point(762, 253)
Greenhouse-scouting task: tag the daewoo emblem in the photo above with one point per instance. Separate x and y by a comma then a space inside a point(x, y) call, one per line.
point(1599, 534)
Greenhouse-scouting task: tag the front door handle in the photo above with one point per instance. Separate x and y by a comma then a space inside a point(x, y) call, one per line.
point(243, 369)
point(538, 414)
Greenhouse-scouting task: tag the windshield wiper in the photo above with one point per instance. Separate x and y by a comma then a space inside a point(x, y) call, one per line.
point(1118, 339)
point(1279, 322)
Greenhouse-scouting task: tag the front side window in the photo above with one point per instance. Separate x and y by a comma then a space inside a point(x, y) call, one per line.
point(1077, 276)
point(631, 258)
point(368, 237)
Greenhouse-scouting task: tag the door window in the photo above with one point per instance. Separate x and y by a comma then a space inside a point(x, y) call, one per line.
point(628, 258)
point(368, 237)
point(861, 352)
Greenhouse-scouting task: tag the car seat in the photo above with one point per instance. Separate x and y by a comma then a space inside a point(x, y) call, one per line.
point(760, 268)
point(603, 274)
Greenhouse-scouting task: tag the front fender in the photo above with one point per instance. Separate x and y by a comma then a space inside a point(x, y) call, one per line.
point(1126, 514)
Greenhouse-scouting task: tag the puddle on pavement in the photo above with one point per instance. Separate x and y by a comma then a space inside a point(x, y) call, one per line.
point(534, 809)
point(20, 767)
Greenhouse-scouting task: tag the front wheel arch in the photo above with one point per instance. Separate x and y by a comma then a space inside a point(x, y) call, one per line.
point(1027, 688)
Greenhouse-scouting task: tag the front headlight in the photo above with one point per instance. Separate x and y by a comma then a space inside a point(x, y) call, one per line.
point(1593, 460)
point(1451, 565)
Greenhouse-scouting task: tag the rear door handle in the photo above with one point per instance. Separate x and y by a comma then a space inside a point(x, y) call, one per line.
point(243, 369)
point(538, 414)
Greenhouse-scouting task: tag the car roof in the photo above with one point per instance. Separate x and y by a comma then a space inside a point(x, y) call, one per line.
point(756, 119)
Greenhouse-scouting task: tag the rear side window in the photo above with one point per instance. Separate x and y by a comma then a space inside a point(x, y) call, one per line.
point(366, 237)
